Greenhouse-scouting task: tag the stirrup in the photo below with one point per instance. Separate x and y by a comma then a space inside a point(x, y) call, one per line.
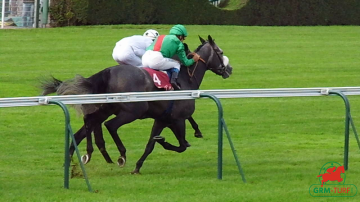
point(175, 86)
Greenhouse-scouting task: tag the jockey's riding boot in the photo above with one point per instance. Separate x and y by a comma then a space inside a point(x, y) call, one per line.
point(173, 80)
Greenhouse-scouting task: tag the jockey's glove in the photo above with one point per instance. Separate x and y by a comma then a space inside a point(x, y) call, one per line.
point(196, 57)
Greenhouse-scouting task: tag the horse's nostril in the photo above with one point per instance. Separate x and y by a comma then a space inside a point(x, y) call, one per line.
point(229, 69)
point(225, 76)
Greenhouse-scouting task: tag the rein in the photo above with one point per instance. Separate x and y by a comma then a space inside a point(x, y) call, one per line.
point(193, 72)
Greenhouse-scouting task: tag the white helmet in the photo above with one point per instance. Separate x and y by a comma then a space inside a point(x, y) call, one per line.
point(153, 34)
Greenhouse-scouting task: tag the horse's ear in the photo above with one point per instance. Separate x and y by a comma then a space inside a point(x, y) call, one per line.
point(186, 48)
point(211, 41)
point(202, 40)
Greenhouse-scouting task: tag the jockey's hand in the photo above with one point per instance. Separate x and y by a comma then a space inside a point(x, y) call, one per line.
point(196, 57)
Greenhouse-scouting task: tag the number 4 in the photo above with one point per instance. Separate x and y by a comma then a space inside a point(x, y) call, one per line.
point(156, 79)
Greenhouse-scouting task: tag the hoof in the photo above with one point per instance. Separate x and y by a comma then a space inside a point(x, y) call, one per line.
point(85, 159)
point(135, 172)
point(187, 144)
point(106, 157)
point(110, 162)
point(198, 135)
point(121, 161)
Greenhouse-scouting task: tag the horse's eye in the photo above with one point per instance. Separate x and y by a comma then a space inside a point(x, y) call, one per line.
point(219, 51)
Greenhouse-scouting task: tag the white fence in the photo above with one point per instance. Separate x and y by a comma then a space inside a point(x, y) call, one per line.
point(175, 95)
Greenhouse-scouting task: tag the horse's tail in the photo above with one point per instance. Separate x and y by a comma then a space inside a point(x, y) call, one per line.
point(50, 85)
point(70, 87)
point(79, 85)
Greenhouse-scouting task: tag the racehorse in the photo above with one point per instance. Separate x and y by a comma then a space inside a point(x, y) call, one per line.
point(125, 78)
point(50, 87)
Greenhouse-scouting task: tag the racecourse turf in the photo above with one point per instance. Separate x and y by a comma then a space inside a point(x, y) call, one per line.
point(282, 143)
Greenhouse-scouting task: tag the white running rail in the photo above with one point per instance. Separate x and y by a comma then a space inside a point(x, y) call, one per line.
point(175, 95)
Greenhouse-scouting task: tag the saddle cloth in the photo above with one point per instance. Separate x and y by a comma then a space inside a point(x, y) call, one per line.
point(160, 78)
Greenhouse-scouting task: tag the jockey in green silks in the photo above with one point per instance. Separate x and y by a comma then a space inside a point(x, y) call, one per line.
point(159, 54)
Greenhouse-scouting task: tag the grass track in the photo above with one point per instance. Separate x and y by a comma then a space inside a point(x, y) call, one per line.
point(282, 142)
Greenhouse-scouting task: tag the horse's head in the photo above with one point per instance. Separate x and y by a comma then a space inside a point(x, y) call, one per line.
point(214, 57)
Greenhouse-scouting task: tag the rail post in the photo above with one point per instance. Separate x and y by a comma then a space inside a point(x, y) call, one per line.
point(68, 134)
point(221, 127)
point(348, 120)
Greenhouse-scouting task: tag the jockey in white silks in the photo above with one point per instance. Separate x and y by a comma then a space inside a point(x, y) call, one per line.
point(129, 50)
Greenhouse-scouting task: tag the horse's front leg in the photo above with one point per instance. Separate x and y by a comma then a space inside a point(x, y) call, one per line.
point(157, 128)
point(195, 126)
point(178, 128)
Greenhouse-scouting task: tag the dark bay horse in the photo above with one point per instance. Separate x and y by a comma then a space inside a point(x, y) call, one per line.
point(52, 85)
point(124, 78)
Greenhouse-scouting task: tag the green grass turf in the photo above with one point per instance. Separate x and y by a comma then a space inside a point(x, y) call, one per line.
point(281, 142)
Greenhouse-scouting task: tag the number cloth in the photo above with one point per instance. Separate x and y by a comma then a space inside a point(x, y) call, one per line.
point(161, 79)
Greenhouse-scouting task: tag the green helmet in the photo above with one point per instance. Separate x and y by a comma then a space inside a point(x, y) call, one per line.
point(178, 30)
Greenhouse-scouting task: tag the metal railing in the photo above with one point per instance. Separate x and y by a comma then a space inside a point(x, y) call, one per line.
point(175, 95)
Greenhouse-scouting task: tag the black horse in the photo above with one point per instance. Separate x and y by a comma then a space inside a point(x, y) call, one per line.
point(171, 114)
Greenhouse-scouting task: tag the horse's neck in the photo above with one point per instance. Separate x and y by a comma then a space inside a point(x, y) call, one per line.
point(196, 72)
point(189, 81)
point(199, 74)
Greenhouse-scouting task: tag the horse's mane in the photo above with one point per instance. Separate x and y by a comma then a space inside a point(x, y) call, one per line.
point(200, 46)
point(197, 49)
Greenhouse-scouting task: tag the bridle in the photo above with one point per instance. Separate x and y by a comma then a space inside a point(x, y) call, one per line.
point(222, 67)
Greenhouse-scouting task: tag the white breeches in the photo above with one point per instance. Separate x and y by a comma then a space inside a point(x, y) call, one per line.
point(126, 55)
point(155, 60)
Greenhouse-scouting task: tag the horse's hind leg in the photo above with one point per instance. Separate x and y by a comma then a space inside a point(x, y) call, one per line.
point(113, 125)
point(100, 143)
point(156, 130)
point(89, 147)
point(178, 128)
point(93, 123)
point(195, 126)
point(79, 136)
